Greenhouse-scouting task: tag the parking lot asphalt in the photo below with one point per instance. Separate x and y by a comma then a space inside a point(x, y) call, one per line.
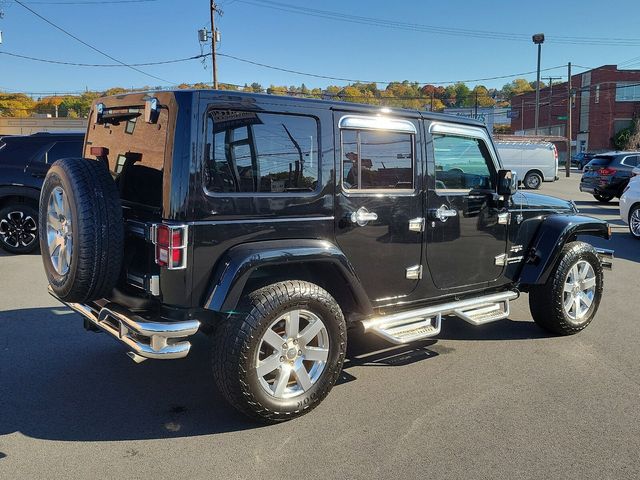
point(503, 400)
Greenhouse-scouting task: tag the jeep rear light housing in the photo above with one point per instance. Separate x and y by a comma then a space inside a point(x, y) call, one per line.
point(170, 243)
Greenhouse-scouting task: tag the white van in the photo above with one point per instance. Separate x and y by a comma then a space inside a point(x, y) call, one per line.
point(533, 161)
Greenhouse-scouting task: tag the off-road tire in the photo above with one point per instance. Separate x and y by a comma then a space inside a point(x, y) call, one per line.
point(28, 220)
point(97, 230)
point(532, 180)
point(546, 301)
point(236, 341)
point(602, 198)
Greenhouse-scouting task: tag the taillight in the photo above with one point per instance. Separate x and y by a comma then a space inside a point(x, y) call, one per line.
point(606, 171)
point(171, 246)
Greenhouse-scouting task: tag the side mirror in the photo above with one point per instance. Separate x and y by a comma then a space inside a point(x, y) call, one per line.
point(507, 183)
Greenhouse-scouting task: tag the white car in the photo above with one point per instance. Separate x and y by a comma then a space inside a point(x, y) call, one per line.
point(630, 204)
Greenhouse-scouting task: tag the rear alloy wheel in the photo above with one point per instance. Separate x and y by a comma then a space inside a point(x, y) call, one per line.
point(19, 228)
point(602, 198)
point(634, 222)
point(532, 180)
point(281, 354)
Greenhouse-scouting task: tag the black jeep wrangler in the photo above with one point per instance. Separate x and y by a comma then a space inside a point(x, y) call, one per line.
point(274, 224)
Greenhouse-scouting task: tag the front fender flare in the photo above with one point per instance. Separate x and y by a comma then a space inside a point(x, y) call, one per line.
point(553, 233)
point(233, 271)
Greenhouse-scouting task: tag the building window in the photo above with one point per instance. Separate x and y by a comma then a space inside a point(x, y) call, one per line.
point(597, 96)
point(249, 152)
point(377, 160)
point(626, 92)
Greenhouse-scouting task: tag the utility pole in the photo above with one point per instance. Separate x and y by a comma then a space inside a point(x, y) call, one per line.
point(214, 36)
point(538, 39)
point(551, 79)
point(567, 165)
point(432, 100)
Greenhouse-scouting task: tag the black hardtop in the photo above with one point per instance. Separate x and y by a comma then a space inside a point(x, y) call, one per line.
point(45, 136)
point(236, 99)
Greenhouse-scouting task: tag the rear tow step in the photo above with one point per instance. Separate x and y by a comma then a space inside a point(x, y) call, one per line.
point(414, 325)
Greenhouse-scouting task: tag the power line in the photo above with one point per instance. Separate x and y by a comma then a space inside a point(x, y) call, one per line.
point(452, 31)
point(77, 2)
point(88, 44)
point(103, 65)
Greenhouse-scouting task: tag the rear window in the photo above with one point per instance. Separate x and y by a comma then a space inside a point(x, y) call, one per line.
point(131, 141)
point(601, 161)
point(136, 151)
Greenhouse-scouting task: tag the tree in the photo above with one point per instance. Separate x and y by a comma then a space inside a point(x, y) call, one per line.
point(15, 105)
point(628, 138)
point(516, 87)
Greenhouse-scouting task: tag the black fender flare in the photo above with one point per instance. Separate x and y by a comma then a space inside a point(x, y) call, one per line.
point(19, 191)
point(239, 262)
point(553, 233)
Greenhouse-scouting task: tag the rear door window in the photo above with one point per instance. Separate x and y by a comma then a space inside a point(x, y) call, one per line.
point(250, 152)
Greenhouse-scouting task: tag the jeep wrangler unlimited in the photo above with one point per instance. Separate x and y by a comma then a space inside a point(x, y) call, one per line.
point(273, 224)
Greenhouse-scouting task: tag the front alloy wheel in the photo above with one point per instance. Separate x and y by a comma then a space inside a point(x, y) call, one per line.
point(18, 229)
point(569, 301)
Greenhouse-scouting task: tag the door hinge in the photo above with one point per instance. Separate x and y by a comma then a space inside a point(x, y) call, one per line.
point(416, 225)
point(414, 273)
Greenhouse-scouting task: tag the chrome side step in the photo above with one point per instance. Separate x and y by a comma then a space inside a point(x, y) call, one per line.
point(481, 314)
point(414, 325)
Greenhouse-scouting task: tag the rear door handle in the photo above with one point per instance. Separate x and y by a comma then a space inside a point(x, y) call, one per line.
point(363, 216)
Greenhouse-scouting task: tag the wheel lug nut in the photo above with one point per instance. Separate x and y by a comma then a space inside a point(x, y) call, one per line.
point(284, 345)
point(299, 352)
point(295, 342)
point(282, 359)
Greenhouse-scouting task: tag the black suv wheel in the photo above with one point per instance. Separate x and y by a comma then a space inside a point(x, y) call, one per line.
point(19, 228)
point(603, 197)
point(569, 300)
point(284, 354)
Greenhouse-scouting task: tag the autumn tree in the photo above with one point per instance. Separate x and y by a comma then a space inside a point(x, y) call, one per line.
point(15, 105)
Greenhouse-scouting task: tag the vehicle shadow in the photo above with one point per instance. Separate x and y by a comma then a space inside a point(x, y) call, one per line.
point(60, 382)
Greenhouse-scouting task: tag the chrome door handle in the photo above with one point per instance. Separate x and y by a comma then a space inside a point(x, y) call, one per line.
point(443, 213)
point(363, 216)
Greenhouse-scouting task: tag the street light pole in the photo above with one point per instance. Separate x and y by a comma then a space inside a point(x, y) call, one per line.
point(538, 39)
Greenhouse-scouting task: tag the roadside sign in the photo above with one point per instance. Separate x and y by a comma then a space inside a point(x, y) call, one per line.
point(562, 117)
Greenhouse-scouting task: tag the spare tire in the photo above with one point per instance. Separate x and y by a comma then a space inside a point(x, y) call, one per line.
point(81, 230)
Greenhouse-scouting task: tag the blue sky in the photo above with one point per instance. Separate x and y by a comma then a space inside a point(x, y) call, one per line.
point(165, 29)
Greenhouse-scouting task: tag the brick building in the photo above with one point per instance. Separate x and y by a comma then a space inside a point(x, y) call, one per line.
point(605, 101)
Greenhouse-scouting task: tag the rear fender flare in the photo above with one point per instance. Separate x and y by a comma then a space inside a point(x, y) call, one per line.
point(552, 235)
point(235, 268)
point(18, 191)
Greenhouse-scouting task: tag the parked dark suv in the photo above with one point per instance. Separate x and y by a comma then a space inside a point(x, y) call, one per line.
point(607, 174)
point(24, 162)
point(273, 224)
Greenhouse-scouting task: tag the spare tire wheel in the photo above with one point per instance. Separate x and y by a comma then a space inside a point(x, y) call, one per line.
point(81, 230)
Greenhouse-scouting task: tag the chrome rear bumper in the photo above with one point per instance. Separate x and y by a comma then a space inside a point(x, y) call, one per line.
point(606, 258)
point(146, 339)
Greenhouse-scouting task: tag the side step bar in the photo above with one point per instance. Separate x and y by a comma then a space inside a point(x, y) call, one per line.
point(606, 258)
point(412, 325)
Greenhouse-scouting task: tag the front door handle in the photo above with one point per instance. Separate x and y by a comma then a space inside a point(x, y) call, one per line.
point(443, 213)
point(363, 216)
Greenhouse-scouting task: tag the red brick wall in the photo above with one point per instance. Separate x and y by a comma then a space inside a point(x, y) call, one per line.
point(601, 114)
